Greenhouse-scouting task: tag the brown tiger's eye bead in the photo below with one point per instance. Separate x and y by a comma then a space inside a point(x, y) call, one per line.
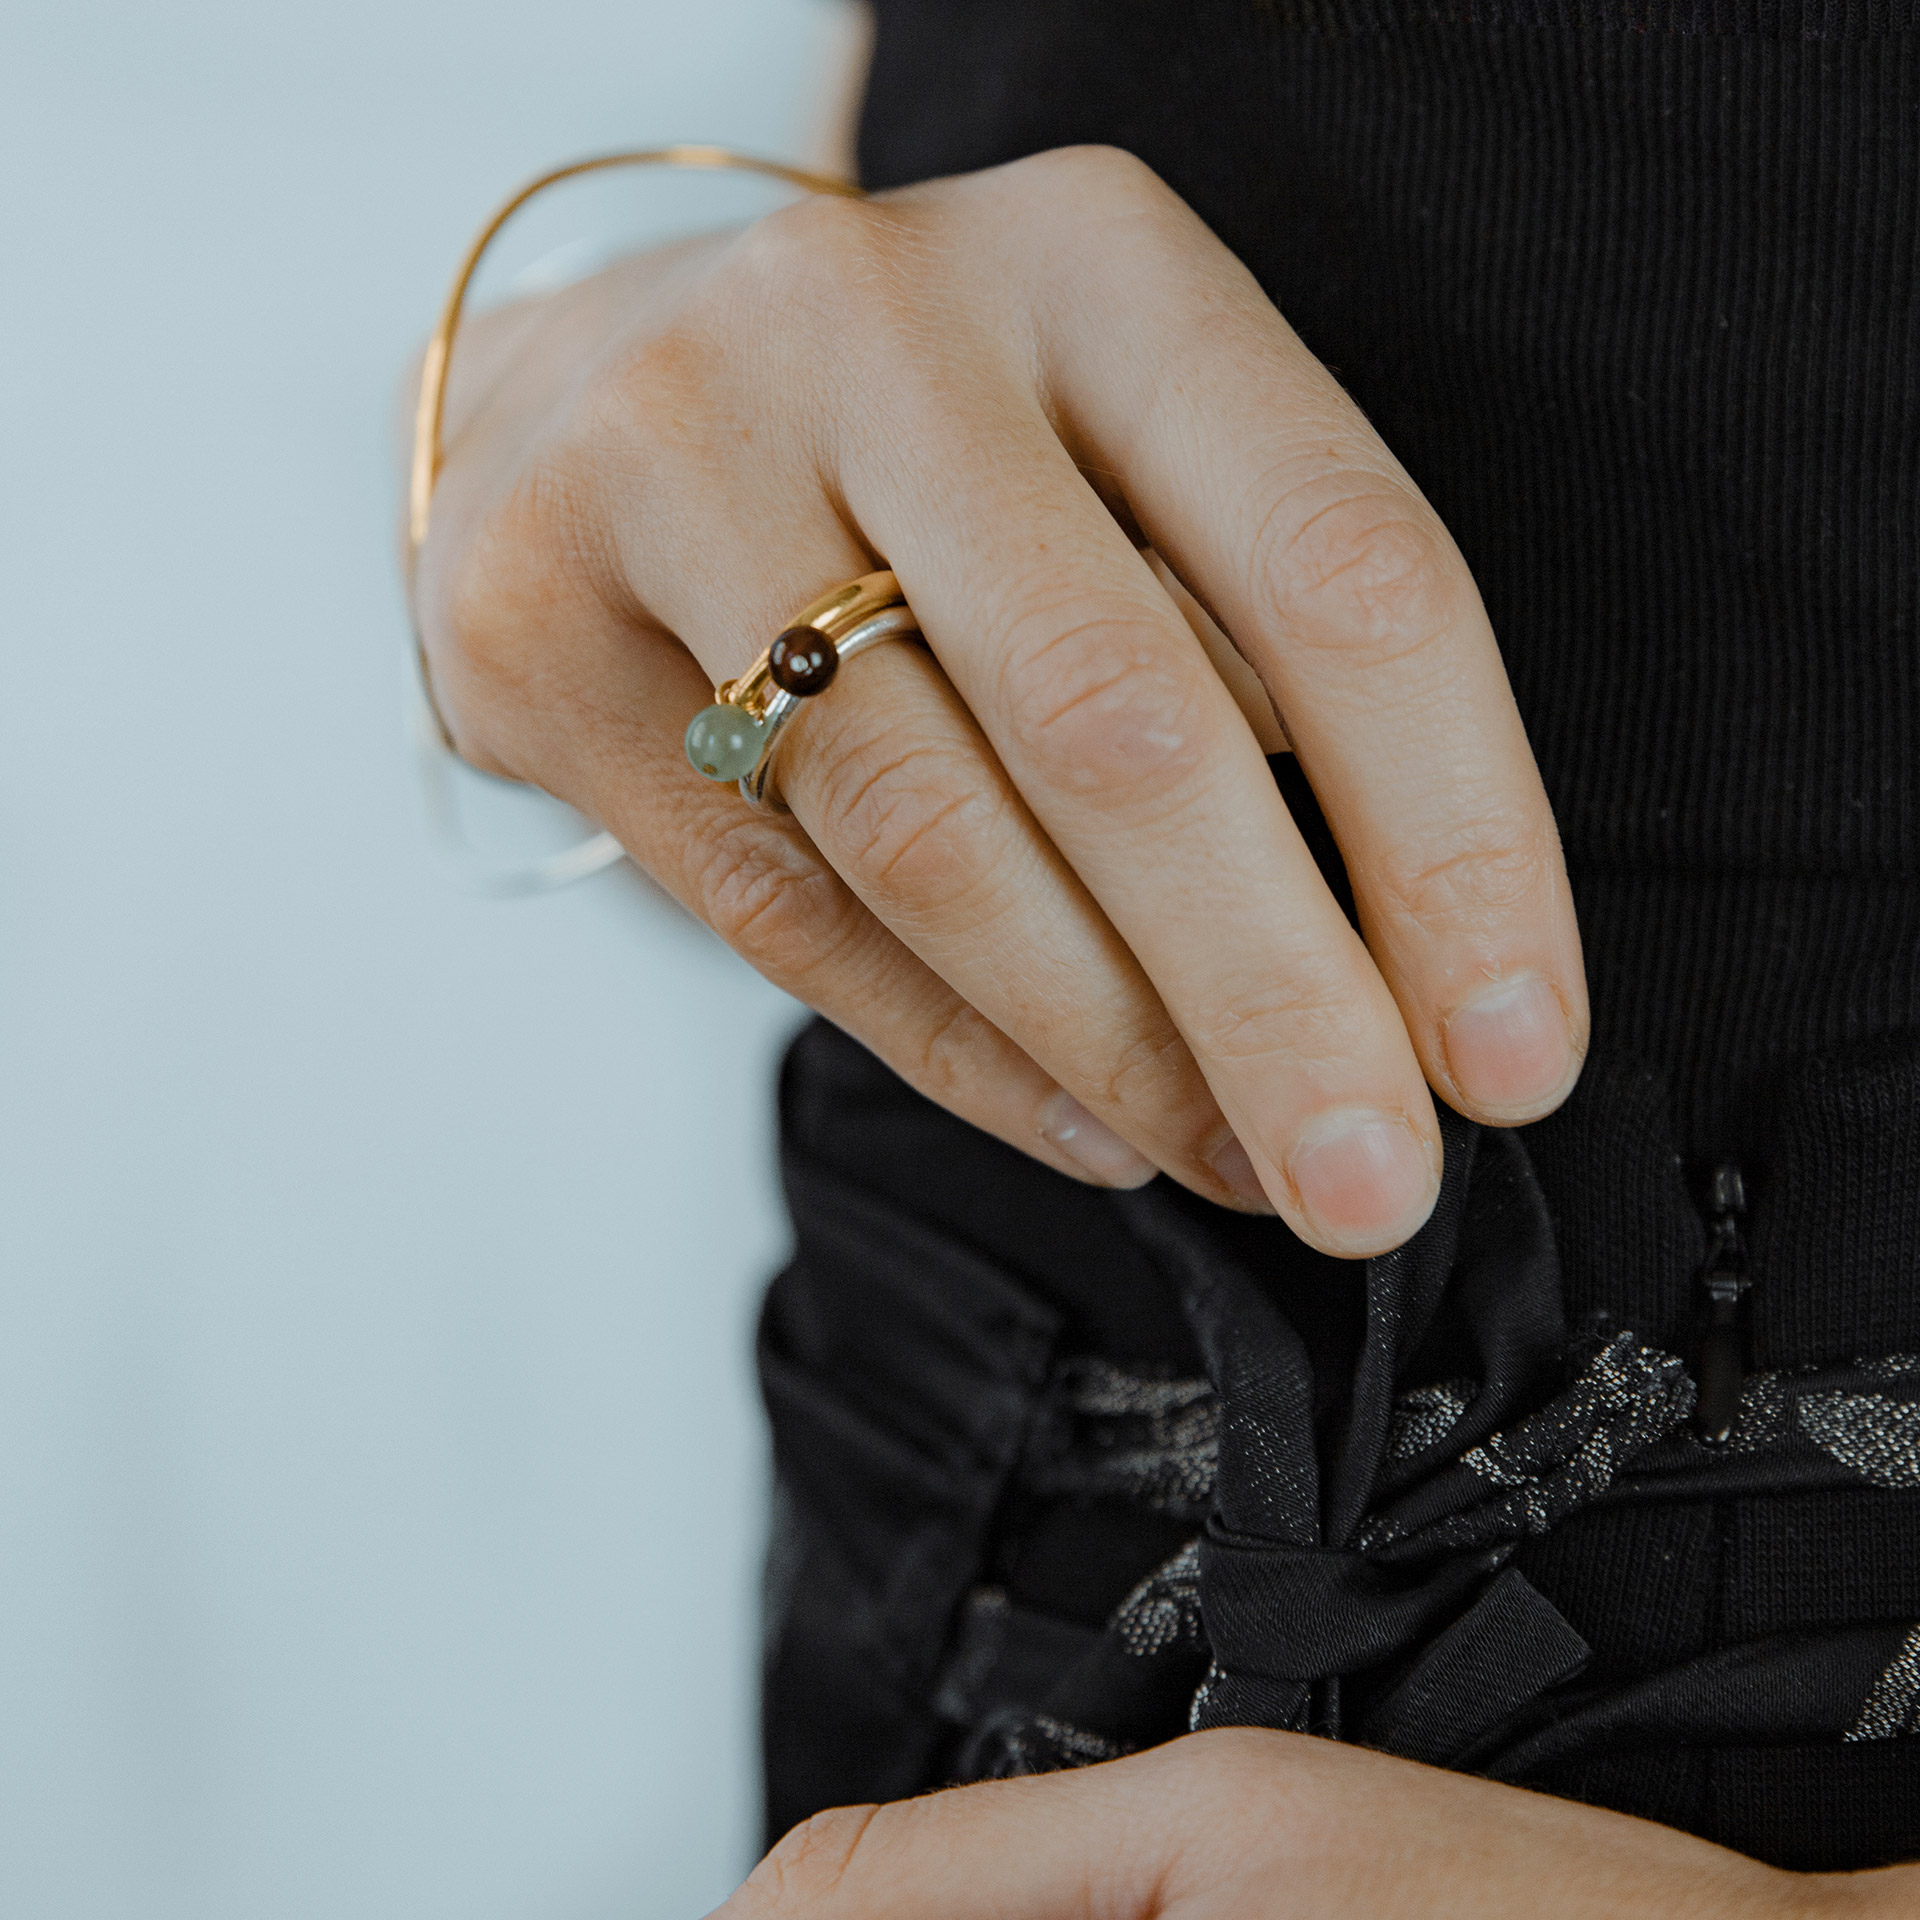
point(802, 661)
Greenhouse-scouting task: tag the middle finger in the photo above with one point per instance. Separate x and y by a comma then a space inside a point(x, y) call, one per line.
point(1102, 707)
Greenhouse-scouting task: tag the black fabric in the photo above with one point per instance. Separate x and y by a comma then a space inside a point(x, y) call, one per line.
point(1313, 1584)
point(1842, 1224)
point(1633, 288)
point(898, 1368)
point(1640, 310)
point(1462, 1516)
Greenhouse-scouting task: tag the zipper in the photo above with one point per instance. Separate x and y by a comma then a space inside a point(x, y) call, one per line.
point(1724, 1282)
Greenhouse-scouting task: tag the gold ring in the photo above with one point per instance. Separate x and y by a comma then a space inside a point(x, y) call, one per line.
point(735, 738)
point(429, 412)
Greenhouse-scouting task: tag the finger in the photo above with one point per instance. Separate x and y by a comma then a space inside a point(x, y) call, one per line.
point(901, 793)
point(1262, 484)
point(1248, 689)
point(543, 680)
point(898, 787)
point(1100, 703)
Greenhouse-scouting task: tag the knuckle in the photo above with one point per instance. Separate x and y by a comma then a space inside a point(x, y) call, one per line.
point(1149, 1064)
point(839, 301)
point(1089, 167)
point(514, 580)
point(814, 256)
point(1483, 876)
point(1116, 712)
point(815, 227)
point(1370, 571)
point(770, 902)
point(1240, 1768)
point(910, 823)
point(810, 1864)
point(945, 1064)
point(1303, 1017)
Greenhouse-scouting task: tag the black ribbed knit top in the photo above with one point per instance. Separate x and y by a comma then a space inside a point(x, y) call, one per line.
point(1634, 292)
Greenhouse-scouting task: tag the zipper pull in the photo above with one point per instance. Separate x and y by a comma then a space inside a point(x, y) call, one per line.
point(1724, 1282)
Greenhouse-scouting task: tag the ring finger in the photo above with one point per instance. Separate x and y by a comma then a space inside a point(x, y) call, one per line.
point(897, 787)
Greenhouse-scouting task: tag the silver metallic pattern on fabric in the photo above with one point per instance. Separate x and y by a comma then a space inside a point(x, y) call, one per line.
point(1625, 1399)
point(1628, 1397)
point(1766, 1414)
point(1424, 1416)
point(1877, 1437)
point(1871, 1434)
point(1301, 1721)
point(1130, 1437)
point(1202, 1694)
point(1164, 1609)
point(1892, 1709)
point(1891, 1366)
point(1076, 1745)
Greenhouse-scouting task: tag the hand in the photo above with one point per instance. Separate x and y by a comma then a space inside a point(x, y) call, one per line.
point(1049, 878)
point(1252, 1825)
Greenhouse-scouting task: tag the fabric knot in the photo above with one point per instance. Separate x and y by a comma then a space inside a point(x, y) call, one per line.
point(1527, 1478)
point(1419, 1575)
point(1355, 1577)
point(1310, 1613)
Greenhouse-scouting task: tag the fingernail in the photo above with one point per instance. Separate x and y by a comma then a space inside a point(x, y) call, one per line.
point(1508, 1047)
point(1234, 1165)
point(1092, 1145)
point(1364, 1177)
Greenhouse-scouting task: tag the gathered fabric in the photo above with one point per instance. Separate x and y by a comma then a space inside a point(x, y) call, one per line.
point(1062, 1474)
point(1357, 1581)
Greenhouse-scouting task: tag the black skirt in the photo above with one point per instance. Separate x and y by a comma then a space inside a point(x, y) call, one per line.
point(1063, 1473)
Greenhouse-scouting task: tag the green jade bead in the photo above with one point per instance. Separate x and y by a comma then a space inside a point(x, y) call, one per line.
point(724, 742)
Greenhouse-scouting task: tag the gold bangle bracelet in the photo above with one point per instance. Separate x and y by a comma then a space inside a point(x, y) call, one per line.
point(429, 416)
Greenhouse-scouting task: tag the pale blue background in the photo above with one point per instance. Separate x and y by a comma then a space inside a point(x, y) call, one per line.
point(380, 1482)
